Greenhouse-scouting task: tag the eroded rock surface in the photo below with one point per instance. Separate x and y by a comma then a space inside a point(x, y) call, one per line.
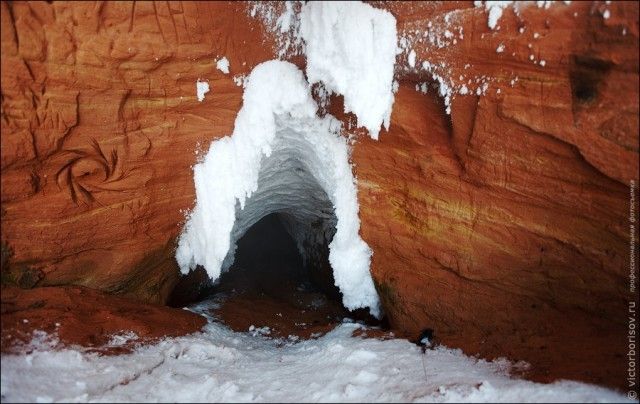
point(75, 315)
point(507, 222)
point(504, 225)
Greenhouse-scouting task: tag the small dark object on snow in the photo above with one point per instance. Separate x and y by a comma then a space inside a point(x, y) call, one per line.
point(425, 340)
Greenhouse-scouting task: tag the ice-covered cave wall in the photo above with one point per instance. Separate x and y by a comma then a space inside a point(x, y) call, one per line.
point(287, 185)
point(281, 158)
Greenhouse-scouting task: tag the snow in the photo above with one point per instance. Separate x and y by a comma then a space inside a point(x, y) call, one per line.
point(202, 87)
point(543, 4)
point(281, 158)
point(494, 8)
point(285, 20)
point(225, 366)
point(282, 20)
point(412, 59)
point(239, 80)
point(436, 34)
point(355, 60)
point(122, 339)
point(223, 65)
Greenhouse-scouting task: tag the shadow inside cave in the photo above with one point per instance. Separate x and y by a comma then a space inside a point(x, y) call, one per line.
point(271, 285)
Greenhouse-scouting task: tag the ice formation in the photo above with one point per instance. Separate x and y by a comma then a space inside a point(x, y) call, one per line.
point(202, 87)
point(355, 60)
point(281, 158)
point(222, 64)
point(283, 20)
point(494, 8)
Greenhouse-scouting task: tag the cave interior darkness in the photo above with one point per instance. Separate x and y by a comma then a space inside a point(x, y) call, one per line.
point(271, 284)
point(268, 263)
point(281, 233)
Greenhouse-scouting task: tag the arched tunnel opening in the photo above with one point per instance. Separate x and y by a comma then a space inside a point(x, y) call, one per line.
point(277, 271)
point(268, 262)
point(271, 285)
point(276, 218)
point(275, 286)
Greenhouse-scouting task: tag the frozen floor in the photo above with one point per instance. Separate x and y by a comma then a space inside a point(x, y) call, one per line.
point(221, 365)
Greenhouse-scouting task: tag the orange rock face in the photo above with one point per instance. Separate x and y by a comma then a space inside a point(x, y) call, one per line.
point(87, 317)
point(504, 225)
point(100, 125)
point(507, 224)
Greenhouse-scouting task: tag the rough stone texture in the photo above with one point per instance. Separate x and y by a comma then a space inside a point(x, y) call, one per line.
point(506, 225)
point(87, 317)
point(503, 226)
point(99, 127)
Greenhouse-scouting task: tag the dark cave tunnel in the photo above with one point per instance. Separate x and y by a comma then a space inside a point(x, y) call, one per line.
point(268, 262)
point(270, 284)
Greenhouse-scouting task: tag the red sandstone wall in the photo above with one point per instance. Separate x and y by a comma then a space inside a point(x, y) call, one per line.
point(493, 225)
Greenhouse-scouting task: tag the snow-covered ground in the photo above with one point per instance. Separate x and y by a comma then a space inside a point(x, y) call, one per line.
point(218, 364)
point(221, 365)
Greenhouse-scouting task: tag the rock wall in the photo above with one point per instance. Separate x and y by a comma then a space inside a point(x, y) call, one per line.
point(100, 125)
point(504, 225)
point(74, 315)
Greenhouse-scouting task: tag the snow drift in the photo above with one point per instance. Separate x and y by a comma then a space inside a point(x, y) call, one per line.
point(281, 158)
point(219, 365)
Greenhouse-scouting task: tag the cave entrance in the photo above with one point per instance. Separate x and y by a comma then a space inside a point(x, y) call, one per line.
point(273, 288)
point(280, 283)
point(277, 271)
point(268, 262)
point(282, 159)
